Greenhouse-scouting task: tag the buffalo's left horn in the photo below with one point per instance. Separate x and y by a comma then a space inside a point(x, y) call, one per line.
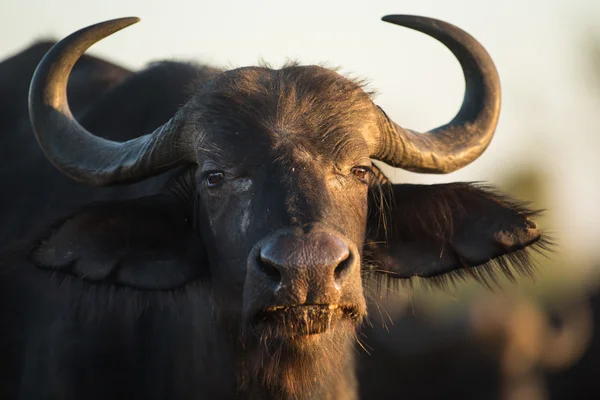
point(462, 140)
point(75, 151)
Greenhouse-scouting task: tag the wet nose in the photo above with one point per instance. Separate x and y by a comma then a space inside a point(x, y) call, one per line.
point(317, 258)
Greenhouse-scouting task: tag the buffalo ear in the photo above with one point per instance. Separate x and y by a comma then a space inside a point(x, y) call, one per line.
point(448, 231)
point(145, 243)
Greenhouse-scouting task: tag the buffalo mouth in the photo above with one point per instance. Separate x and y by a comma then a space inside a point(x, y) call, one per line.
point(304, 320)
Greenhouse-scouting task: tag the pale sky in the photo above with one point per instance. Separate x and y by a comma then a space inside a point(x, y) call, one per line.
point(550, 115)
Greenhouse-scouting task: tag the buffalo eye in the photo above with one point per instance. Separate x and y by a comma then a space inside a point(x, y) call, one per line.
point(362, 173)
point(214, 178)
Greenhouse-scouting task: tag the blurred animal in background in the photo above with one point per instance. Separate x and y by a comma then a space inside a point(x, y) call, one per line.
point(498, 347)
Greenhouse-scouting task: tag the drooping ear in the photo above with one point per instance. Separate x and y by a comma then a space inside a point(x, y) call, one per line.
point(146, 243)
point(448, 231)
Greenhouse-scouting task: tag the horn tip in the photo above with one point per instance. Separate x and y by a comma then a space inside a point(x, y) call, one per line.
point(107, 28)
point(410, 21)
point(114, 25)
point(392, 18)
point(126, 21)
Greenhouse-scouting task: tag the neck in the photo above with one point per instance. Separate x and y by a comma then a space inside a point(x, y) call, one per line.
point(304, 368)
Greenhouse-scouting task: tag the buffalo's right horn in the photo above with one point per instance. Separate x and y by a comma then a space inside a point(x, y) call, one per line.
point(75, 151)
point(462, 140)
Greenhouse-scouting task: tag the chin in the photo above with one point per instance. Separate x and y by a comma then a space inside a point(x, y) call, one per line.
point(289, 347)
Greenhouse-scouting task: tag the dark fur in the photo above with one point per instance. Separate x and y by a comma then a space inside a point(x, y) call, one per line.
point(300, 368)
point(291, 100)
point(87, 311)
point(432, 215)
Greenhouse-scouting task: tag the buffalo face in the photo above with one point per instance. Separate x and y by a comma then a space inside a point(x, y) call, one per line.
point(282, 191)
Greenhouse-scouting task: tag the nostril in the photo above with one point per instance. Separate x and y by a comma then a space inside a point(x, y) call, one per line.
point(267, 267)
point(341, 271)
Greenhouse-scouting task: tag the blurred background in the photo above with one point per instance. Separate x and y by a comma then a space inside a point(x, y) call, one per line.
point(529, 340)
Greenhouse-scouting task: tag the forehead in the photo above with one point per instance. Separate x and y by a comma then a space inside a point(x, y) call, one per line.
point(307, 110)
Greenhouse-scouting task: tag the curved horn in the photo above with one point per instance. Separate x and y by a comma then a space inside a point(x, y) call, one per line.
point(462, 140)
point(69, 146)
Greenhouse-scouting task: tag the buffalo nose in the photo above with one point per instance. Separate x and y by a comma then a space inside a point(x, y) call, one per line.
point(321, 257)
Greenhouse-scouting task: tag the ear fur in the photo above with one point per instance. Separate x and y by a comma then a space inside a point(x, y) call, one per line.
point(449, 231)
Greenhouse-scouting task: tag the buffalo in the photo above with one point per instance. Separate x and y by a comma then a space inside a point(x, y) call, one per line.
point(228, 257)
point(495, 348)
